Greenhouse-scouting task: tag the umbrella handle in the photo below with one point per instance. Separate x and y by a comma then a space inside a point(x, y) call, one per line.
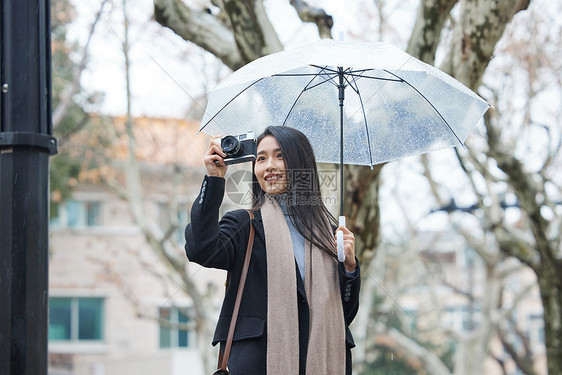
point(339, 238)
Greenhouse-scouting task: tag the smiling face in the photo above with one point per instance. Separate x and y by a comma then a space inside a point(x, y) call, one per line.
point(270, 167)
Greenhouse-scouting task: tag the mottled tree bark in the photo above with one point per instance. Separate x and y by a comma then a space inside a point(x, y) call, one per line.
point(543, 257)
point(480, 27)
point(476, 33)
point(550, 283)
point(426, 34)
point(361, 208)
point(252, 30)
point(199, 27)
point(308, 13)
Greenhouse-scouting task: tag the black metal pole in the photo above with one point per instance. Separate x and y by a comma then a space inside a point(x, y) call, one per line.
point(26, 143)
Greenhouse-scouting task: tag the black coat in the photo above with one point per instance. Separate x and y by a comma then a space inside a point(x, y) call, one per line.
point(222, 245)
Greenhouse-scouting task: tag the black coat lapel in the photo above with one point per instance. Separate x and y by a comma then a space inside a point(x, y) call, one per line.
point(300, 283)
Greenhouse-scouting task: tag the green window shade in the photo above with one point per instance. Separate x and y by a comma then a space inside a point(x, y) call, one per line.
point(165, 331)
point(93, 214)
point(89, 319)
point(183, 335)
point(60, 319)
point(74, 210)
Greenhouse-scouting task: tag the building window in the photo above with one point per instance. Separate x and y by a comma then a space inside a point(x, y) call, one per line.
point(410, 318)
point(75, 319)
point(535, 330)
point(175, 328)
point(165, 221)
point(78, 214)
point(183, 219)
point(462, 318)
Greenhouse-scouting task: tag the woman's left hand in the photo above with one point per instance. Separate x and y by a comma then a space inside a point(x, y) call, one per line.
point(349, 249)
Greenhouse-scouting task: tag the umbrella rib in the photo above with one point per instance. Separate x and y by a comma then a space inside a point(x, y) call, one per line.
point(303, 90)
point(355, 76)
point(294, 74)
point(224, 106)
point(329, 79)
point(350, 85)
point(377, 78)
point(354, 73)
point(431, 104)
point(359, 73)
point(325, 68)
point(348, 72)
point(356, 89)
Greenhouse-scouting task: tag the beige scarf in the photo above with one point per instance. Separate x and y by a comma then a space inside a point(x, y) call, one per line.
point(326, 345)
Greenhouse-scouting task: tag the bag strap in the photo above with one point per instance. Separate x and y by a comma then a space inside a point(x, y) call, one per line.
point(223, 358)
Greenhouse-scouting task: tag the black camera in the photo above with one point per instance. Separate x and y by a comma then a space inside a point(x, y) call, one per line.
point(239, 148)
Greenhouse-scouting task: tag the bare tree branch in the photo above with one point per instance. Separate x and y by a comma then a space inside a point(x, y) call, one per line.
point(154, 236)
point(72, 89)
point(433, 186)
point(141, 311)
point(525, 361)
point(396, 340)
point(199, 27)
point(318, 16)
point(553, 154)
point(239, 34)
point(524, 292)
point(79, 126)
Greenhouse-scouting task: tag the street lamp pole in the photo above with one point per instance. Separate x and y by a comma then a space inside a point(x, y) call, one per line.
point(26, 142)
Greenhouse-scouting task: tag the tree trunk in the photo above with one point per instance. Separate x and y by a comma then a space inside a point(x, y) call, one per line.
point(543, 259)
point(361, 207)
point(362, 335)
point(550, 282)
point(252, 30)
point(476, 34)
point(473, 348)
point(308, 13)
point(426, 33)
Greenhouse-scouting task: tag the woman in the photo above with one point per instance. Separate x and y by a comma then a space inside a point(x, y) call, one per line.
point(298, 300)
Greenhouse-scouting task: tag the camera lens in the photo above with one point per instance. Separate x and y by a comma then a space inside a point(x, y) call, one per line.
point(230, 145)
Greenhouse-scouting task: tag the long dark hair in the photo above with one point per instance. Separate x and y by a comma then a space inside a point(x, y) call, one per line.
point(305, 206)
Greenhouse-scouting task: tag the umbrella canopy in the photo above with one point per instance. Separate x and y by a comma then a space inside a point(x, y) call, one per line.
point(395, 105)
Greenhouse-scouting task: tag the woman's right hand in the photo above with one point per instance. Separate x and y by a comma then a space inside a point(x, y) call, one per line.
point(213, 159)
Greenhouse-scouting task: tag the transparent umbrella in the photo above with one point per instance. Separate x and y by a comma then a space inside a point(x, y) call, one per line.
point(358, 103)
